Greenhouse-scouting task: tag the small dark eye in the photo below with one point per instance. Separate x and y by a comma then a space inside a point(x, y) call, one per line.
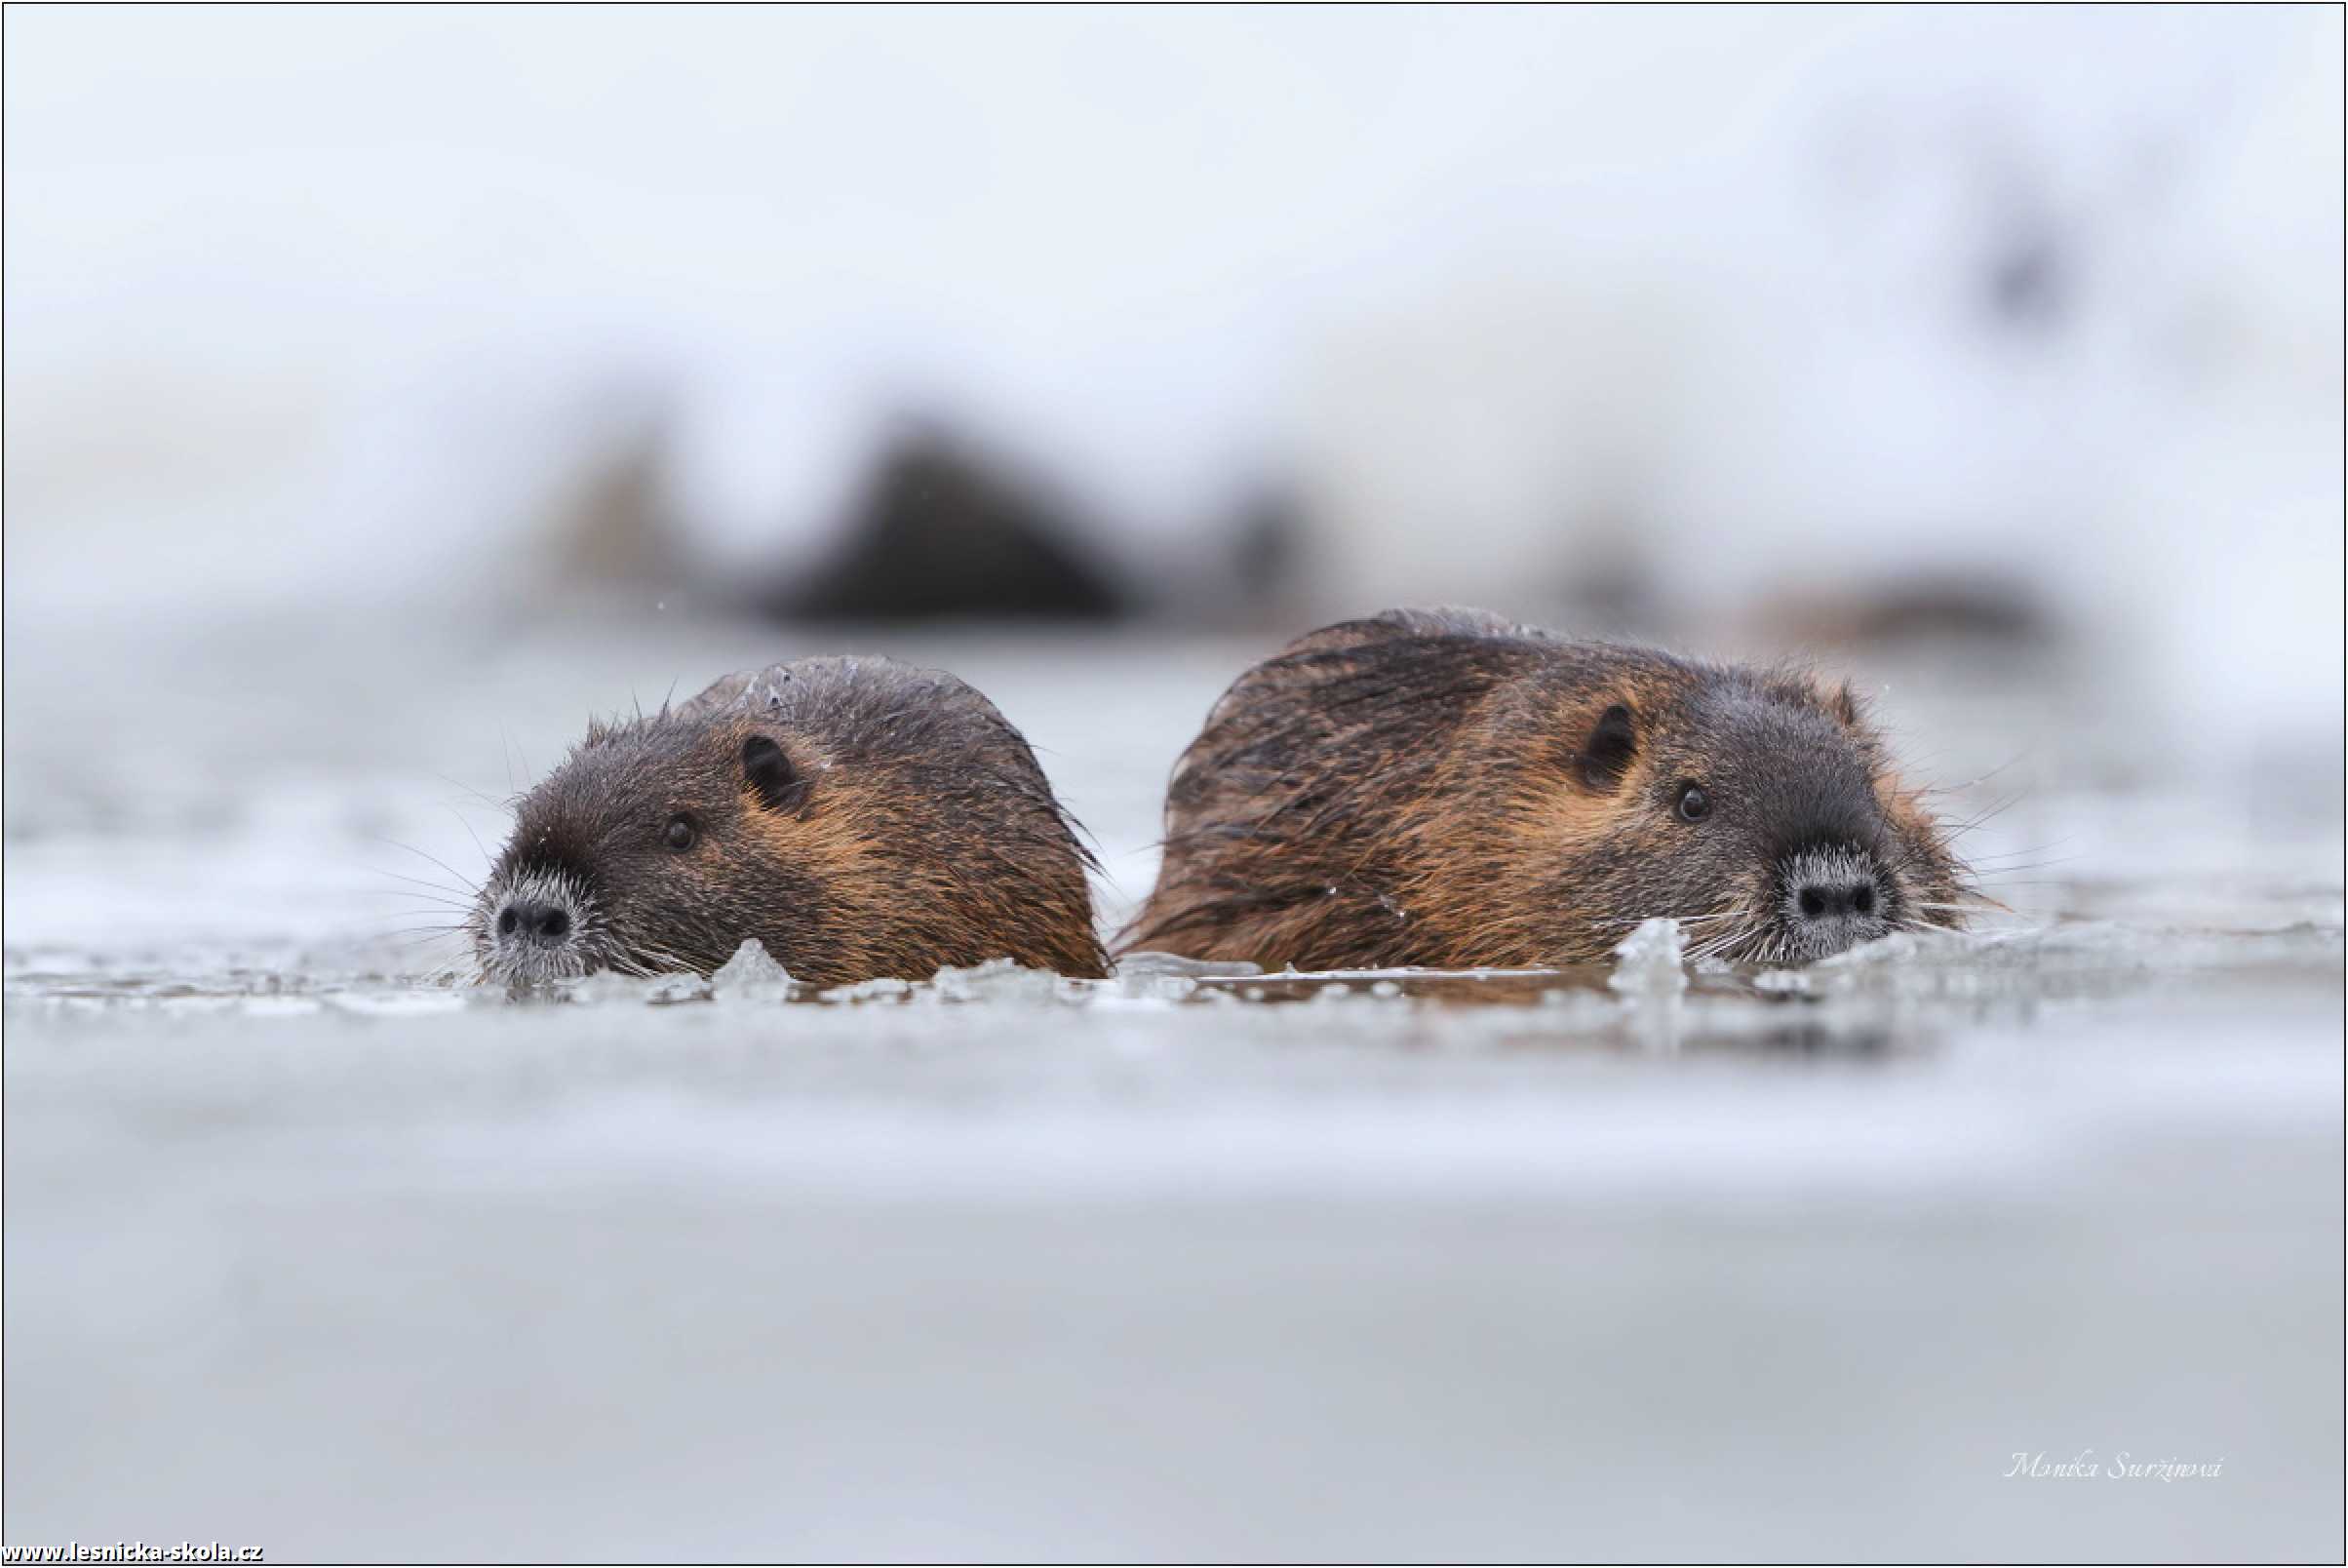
point(681, 832)
point(1694, 803)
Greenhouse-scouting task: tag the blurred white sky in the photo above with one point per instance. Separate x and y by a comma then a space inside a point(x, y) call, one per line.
point(338, 302)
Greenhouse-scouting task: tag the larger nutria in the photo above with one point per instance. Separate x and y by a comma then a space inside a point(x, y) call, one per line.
point(859, 817)
point(1445, 789)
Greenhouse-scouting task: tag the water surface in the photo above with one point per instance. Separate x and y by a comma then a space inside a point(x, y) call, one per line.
point(311, 1245)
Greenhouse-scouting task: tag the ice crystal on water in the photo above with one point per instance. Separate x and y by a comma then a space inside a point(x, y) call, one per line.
point(750, 975)
point(1647, 961)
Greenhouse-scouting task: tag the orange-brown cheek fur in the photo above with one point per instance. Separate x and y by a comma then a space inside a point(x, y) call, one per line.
point(906, 893)
point(1492, 880)
point(1485, 881)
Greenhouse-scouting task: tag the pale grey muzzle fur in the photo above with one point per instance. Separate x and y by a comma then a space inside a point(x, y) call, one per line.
point(1831, 899)
point(510, 950)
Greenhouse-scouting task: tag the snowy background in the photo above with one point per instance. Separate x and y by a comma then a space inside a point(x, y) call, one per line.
point(389, 390)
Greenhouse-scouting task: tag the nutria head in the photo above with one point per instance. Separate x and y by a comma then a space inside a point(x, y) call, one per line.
point(1448, 789)
point(857, 817)
point(1755, 807)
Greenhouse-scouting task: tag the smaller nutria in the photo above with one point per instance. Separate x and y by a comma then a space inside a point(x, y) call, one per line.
point(859, 817)
point(1448, 790)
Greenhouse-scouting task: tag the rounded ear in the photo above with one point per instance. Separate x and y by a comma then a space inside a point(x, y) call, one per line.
point(1607, 753)
point(771, 774)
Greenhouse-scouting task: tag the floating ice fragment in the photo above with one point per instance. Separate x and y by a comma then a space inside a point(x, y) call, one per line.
point(1150, 985)
point(750, 975)
point(1170, 977)
point(1647, 962)
point(1173, 963)
point(607, 988)
point(1891, 948)
point(995, 980)
point(664, 989)
point(884, 988)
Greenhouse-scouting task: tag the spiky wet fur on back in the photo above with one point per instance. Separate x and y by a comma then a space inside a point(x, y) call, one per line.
point(926, 834)
point(1405, 790)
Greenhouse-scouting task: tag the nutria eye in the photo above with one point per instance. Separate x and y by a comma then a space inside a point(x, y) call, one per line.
point(1694, 803)
point(680, 833)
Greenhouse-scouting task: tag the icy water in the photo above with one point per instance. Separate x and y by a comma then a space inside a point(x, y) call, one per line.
point(310, 1247)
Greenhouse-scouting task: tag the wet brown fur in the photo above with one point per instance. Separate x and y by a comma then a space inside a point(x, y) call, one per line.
point(918, 832)
point(1413, 790)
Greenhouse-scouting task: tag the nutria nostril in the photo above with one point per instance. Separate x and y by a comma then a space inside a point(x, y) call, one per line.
point(543, 924)
point(1824, 902)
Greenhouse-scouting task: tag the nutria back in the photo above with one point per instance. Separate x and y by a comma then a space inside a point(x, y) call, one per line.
point(859, 817)
point(1449, 789)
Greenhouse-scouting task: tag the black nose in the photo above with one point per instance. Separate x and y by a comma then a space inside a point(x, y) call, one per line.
point(544, 924)
point(1833, 899)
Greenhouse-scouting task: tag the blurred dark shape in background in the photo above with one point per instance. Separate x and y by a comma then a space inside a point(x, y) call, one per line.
point(1267, 549)
point(1997, 323)
point(2029, 287)
point(1611, 588)
point(1931, 609)
point(942, 528)
point(944, 531)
